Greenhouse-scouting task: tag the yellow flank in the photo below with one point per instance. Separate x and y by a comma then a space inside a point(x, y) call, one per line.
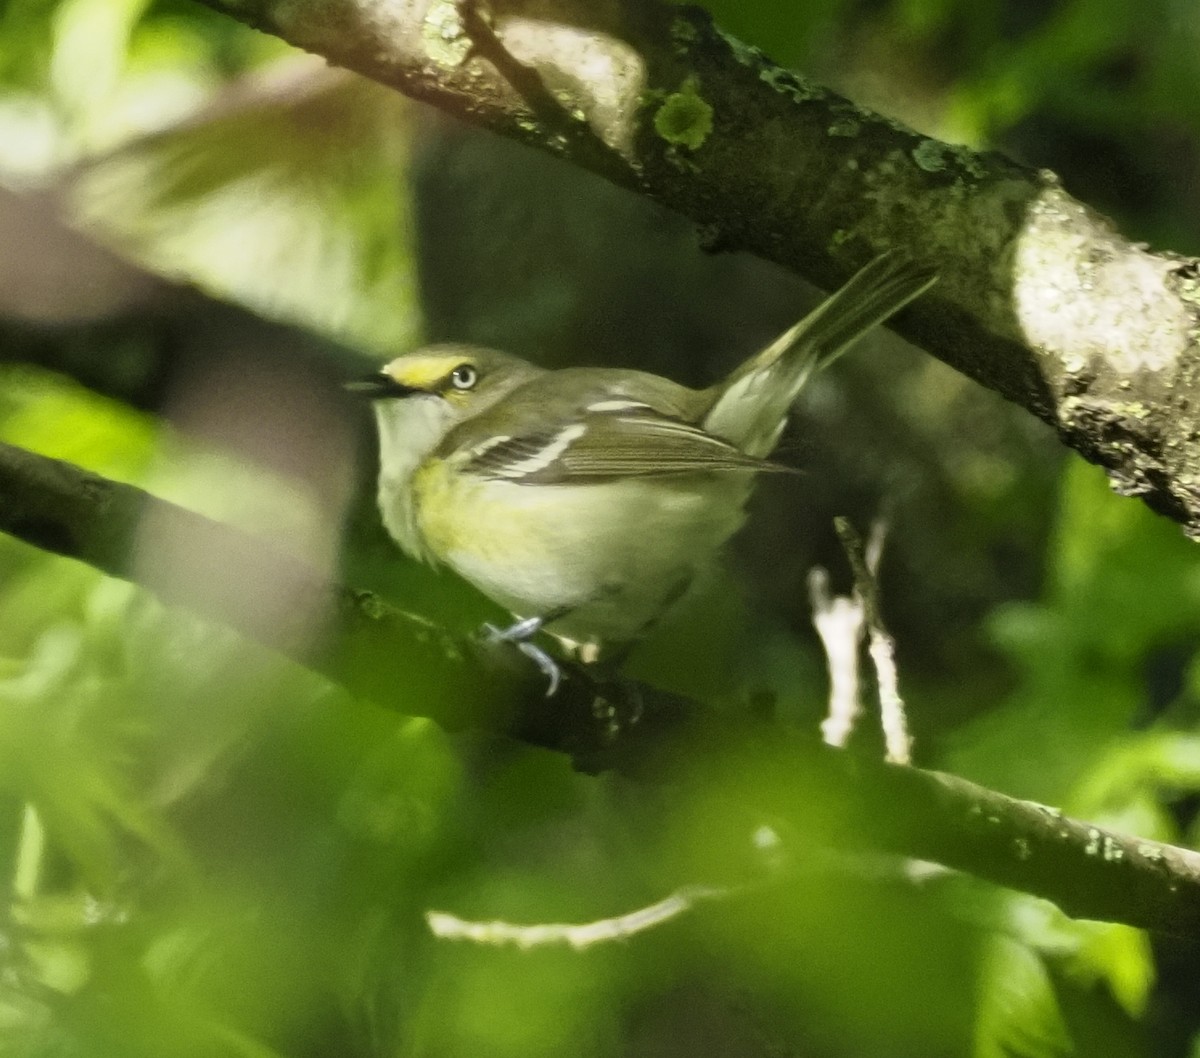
point(440, 488)
point(462, 519)
point(538, 549)
point(422, 372)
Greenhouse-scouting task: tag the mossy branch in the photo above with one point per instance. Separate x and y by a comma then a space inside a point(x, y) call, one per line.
point(377, 651)
point(1041, 299)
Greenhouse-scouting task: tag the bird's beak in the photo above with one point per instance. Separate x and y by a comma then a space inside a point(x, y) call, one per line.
point(377, 387)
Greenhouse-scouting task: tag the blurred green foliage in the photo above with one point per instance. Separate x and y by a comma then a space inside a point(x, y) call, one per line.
point(205, 850)
point(292, 204)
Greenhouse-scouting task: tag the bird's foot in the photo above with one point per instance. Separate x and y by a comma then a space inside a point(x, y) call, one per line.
point(517, 632)
point(519, 635)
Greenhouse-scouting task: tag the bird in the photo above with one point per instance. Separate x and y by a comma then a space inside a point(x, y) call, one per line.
point(585, 500)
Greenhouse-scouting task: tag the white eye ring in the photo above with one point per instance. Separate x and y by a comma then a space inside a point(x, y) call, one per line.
point(464, 377)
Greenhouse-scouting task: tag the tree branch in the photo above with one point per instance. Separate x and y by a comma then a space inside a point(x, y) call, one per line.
point(405, 663)
point(1041, 299)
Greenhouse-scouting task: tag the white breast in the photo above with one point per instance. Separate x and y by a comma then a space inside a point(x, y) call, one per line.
point(409, 430)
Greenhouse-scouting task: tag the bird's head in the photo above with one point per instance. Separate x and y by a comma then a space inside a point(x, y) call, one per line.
point(421, 396)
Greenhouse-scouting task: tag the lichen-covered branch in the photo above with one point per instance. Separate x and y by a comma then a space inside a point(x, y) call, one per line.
point(1041, 298)
point(405, 663)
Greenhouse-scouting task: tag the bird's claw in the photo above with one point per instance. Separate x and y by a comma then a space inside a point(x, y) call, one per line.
point(548, 666)
point(518, 634)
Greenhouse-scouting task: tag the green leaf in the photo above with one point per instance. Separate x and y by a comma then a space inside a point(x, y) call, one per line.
point(293, 203)
point(1018, 1014)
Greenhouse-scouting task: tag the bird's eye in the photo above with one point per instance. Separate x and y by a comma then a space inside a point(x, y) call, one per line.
point(464, 377)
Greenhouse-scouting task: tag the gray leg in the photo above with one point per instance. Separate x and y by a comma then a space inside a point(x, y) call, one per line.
point(519, 633)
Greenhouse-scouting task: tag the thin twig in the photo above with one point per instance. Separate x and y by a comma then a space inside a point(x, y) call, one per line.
point(574, 935)
point(880, 645)
point(839, 624)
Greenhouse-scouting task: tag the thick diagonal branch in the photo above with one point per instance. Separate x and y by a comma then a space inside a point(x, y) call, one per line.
point(377, 651)
point(1041, 298)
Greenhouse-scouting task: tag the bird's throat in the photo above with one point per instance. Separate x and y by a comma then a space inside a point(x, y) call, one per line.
point(410, 429)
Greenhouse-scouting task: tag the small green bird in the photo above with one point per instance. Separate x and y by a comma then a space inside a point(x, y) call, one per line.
point(585, 500)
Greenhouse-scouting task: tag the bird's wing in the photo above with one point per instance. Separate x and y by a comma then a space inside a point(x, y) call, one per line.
point(609, 439)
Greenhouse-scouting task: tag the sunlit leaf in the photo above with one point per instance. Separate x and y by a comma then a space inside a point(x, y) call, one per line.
point(288, 197)
point(1018, 1015)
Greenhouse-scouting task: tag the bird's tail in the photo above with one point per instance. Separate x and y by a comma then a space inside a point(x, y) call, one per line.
point(751, 405)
